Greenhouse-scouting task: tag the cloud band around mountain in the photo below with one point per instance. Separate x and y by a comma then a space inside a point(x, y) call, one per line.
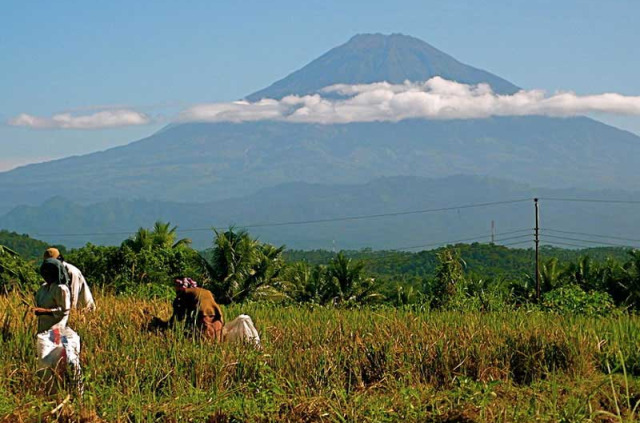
point(436, 98)
point(99, 120)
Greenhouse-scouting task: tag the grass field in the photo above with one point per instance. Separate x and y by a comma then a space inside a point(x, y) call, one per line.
point(332, 365)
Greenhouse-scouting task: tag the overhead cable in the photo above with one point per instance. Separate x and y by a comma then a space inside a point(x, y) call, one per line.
point(314, 221)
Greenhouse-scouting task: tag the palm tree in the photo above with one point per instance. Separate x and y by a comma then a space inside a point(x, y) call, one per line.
point(265, 272)
point(164, 236)
point(161, 236)
point(346, 281)
point(583, 273)
point(141, 240)
point(242, 267)
point(302, 283)
point(630, 281)
point(549, 275)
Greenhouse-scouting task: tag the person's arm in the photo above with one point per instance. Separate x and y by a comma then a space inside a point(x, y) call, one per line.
point(61, 298)
point(41, 311)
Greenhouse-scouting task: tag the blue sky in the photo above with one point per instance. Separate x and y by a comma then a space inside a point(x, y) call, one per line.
point(160, 57)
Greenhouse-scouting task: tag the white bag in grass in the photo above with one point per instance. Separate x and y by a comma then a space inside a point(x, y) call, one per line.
point(59, 347)
point(241, 329)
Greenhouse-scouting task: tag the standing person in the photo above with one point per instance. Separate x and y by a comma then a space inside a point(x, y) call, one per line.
point(81, 296)
point(53, 299)
point(58, 346)
point(196, 307)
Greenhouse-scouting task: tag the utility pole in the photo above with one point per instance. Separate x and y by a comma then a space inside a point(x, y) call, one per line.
point(537, 241)
point(493, 232)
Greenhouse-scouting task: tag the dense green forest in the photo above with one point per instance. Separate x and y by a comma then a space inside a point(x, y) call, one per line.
point(241, 268)
point(488, 260)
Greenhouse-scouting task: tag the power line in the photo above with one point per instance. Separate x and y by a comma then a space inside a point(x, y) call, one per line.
point(475, 238)
point(556, 243)
point(514, 232)
point(308, 222)
point(373, 216)
point(587, 241)
point(514, 237)
point(516, 243)
point(363, 217)
point(591, 235)
point(590, 200)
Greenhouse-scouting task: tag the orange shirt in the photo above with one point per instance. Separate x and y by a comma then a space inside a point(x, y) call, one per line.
point(197, 303)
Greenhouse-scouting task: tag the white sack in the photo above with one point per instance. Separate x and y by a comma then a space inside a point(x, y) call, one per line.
point(60, 345)
point(241, 329)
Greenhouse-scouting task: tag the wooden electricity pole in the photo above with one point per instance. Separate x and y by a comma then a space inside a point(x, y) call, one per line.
point(493, 232)
point(537, 241)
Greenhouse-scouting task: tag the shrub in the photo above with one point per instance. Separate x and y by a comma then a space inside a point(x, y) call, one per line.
point(16, 272)
point(572, 299)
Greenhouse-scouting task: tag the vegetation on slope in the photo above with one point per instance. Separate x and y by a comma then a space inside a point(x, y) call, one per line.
point(24, 245)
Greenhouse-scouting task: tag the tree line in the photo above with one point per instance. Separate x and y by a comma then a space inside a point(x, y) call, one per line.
point(239, 268)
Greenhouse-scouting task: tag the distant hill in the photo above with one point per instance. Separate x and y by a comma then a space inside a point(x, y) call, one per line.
point(24, 245)
point(76, 224)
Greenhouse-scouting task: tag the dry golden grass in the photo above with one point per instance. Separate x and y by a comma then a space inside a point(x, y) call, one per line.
point(321, 364)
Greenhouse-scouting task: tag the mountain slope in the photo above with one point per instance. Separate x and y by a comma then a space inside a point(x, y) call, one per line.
point(200, 161)
point(368, 58)
point(296, 202)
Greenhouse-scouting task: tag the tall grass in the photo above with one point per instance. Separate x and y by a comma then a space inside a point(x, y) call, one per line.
point(324, 364)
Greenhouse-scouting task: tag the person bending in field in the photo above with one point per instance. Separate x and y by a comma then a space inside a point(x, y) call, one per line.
point(196, 307)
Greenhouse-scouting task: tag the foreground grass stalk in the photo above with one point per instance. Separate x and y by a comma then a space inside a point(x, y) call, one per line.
point(327, 364)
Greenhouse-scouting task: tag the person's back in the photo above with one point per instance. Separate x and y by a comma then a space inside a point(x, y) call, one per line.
point(81, 296)
point(191, 303)
point(197, 307)
point(53, 295)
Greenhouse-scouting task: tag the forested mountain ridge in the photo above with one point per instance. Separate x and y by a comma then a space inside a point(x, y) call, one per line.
point(63, 221)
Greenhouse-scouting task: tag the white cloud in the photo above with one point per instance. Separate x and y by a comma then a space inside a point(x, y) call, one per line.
point(98, 120)
point(436, 98)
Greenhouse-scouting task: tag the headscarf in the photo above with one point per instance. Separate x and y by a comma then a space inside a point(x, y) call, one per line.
point(54, 272)
point(185, 283)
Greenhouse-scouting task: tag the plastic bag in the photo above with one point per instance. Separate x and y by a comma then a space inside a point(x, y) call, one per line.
point(59, 350)
point(241, 329)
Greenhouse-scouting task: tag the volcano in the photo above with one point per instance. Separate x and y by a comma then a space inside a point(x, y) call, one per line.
point(203, 162)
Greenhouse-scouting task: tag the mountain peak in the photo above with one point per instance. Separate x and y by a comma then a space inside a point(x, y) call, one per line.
point(372, 40)
point(368, 58)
